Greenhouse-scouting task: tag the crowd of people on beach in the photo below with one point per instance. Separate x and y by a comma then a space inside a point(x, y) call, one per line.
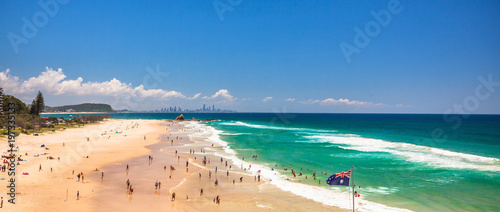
point(225, 166)
point(172, 169)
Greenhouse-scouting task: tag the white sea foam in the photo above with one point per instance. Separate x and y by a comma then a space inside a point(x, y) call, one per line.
point(415, 153)
point(239, 123)
point(380, 190)
point(335, 196)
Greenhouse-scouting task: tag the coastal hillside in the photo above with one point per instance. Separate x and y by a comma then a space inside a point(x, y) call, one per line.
point(85, 107)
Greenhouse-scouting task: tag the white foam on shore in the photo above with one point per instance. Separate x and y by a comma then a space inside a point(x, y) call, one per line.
point(380, 190)
point(414, 153)
point(335, 196)
point(434, 157)
point(239, 123)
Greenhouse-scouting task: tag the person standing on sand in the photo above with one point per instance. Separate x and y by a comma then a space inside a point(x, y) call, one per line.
point(156, 184)
point(1, 203)
point(173, 196)
point(102, 175)
point(77, 195)
point(128, 183)
point(40, 169)
point(201, 191)
point(78, 177)
point(159, 184)
point(127, 168)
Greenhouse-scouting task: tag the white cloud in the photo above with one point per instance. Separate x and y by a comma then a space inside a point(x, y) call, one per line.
point(222, 94)
point(246, 99)
point(290, 99)
point(331, 101)
point(8, 82)
point(310, 101)
point(55, 83)
point(195, 96)
point(269, 98)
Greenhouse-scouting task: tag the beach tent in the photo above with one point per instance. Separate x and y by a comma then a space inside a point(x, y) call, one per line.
point(43, 145)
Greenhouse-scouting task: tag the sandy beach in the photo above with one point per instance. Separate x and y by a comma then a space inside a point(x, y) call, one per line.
point(114, 144)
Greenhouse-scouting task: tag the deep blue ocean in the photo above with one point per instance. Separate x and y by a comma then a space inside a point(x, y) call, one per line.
point(409, 161)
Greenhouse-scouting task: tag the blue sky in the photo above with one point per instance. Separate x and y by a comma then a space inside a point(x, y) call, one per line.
point(430, 57)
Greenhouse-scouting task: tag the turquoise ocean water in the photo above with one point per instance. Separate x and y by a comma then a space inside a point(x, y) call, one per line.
point(401, 161)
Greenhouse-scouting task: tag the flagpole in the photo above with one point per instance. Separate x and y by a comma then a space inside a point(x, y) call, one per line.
point(352, 181)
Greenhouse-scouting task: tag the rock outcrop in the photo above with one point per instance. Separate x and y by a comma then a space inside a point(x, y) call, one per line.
point(180, 118)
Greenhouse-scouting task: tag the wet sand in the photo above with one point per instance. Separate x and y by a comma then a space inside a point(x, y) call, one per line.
point(110, 153)
point(248, 195)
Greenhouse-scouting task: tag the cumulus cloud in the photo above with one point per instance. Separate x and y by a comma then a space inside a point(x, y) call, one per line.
point(8, 82)
point(331, 101)
point(310, 101)
point(222, 95)
point(55, 83)
point(269, 98)
point(195, 96)
point(290, 99)
point(246, 99)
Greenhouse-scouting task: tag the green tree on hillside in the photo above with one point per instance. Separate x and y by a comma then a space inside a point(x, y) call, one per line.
point(38, 105)
point(21, 110)
point(33, 108)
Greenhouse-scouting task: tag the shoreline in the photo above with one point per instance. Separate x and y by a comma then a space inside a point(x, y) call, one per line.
point(251, 194)
point(109, 152)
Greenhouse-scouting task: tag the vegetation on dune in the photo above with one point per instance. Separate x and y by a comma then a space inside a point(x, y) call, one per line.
point(28, 119)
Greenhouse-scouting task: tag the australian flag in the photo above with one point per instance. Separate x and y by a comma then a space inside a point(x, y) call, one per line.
point(341, 178)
